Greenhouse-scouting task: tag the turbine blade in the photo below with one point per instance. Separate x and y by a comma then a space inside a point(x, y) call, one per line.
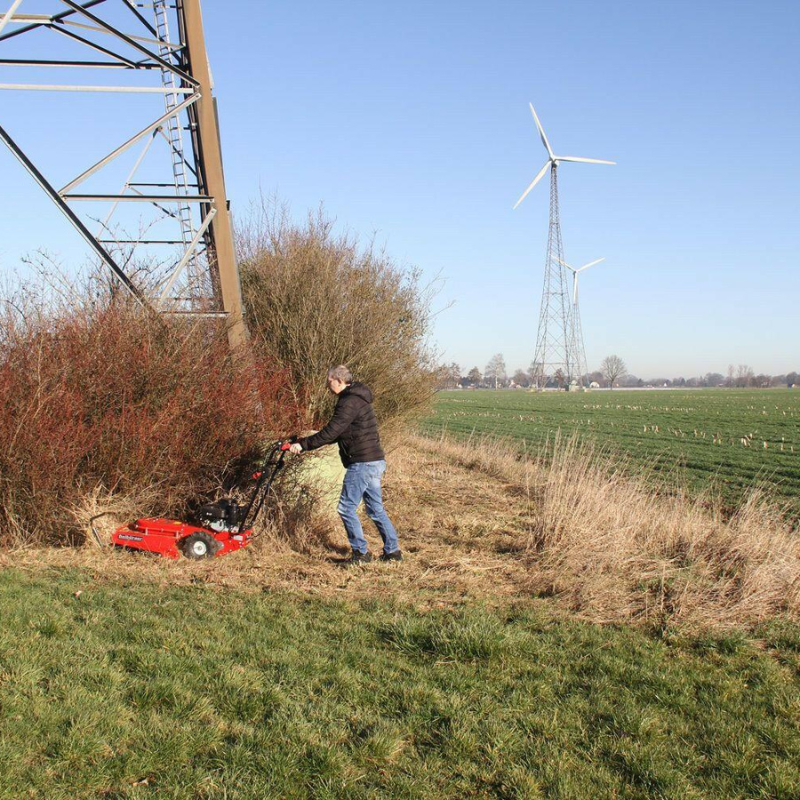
point(533, 183)
point(590, 264)
point(541, 131)
point(575, 288)
point(584, 160)
point(564, 263)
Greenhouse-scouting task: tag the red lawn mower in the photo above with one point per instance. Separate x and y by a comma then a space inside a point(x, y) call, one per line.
point(218, 528)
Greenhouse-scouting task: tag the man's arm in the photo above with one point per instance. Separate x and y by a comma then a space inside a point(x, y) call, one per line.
point(343, 415)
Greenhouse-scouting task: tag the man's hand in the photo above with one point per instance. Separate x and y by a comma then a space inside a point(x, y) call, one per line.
point(296, 448)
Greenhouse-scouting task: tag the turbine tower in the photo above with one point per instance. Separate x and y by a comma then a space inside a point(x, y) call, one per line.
point(165, 236)
point(555, 347)
point(578, 347)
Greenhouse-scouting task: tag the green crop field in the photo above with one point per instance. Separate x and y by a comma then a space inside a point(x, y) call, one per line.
point(725, 440)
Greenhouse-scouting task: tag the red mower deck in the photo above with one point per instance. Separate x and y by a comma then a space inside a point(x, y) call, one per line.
point(171, 538)
point(226, 526)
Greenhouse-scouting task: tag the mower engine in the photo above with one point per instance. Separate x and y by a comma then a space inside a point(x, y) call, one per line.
point(221, 527)
point(224, 515)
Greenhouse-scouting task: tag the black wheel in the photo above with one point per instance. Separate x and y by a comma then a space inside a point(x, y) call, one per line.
point(199, 545)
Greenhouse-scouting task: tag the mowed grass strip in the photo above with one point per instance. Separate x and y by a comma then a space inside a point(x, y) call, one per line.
point(134, 691)
point(725, 441)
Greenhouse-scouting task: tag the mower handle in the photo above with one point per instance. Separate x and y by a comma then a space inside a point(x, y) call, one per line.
point(264, 478)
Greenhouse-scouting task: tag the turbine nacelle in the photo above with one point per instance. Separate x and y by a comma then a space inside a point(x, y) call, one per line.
point(553, 159)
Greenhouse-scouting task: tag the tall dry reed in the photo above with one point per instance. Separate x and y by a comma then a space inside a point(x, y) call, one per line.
point(615, 549)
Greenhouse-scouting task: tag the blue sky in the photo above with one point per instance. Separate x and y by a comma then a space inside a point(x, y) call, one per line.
point(410, 121)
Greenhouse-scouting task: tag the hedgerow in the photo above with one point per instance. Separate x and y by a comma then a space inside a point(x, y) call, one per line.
point(108, 398)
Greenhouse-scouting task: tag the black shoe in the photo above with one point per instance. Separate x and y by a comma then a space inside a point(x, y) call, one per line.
point(358, 558)
point(395, 556)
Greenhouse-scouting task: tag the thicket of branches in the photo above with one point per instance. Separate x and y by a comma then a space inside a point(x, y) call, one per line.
point(102, 398)
point(315, 298)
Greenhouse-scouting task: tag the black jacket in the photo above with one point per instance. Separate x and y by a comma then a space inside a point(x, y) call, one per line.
point(353, 425)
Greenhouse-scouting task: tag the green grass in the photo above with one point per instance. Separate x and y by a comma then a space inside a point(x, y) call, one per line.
point(136, 691)
point(692, 436)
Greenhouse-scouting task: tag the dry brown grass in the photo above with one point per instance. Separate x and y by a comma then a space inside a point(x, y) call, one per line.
point(613, 549)
point(476, 522)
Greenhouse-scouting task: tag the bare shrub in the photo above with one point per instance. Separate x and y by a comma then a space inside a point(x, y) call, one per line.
point(104, 398)
point(315, 299)
point(615, 550)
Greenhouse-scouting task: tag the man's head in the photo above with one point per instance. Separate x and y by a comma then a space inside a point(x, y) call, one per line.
point(339, 378)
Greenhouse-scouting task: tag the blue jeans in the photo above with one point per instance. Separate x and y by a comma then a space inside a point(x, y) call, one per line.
point(363, 480)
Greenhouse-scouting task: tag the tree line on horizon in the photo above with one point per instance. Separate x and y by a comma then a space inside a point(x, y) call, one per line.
point(612, 374)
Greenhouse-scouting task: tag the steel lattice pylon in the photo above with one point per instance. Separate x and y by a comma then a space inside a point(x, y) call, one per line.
point(555, 347)
point(182, 258)
point(578, 348)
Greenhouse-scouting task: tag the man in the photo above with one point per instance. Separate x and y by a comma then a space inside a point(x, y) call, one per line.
point(354, 427)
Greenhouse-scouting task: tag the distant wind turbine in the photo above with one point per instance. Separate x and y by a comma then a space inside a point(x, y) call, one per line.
point(557, 349)
point(575, 277)
point(578, 347)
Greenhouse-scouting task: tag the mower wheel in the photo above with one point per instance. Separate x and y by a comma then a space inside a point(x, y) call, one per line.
point(199, 545)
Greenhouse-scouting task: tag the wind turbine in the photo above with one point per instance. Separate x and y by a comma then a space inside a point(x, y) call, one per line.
point(555, 340)
point(578, 347)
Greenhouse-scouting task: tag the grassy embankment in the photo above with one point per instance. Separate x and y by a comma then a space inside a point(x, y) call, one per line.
point(113, 688)
point(724, 441)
